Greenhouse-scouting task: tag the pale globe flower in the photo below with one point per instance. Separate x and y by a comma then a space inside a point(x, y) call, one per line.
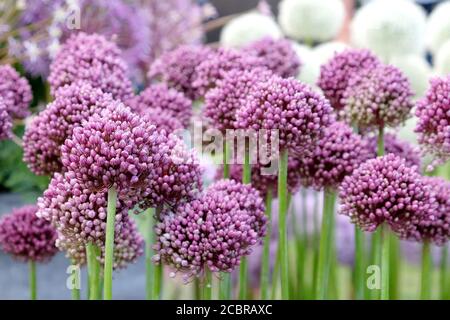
point(390, 28)
point(311, 20)
point(309, 73)
point(442, 59)
point(416, 69)
point(438, 26)
point(247, 28)
point(327, 50)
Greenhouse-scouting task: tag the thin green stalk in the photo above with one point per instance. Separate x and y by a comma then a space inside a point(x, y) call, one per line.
point(197, 289)
point(207, 288)
point(300, 258)
point(109, 243)
point(323, 265)
point(444, 273)
point(375, 259)
point(385, 246)
point(158, 269)
point(359, 263)
point(394, 266)
point(282, 212)
point(332, 267)
point(76, 288)
point(226, 158)
point(425, 289)
point(316, 241)
point(246, 179)
point(94, 267)
point(265, 263)
point(32, 278)
point(301, 265)
point(150, 267)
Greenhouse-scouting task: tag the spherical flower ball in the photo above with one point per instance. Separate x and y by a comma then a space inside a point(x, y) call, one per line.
point(333, 157)
point(377, 97)
point(27, 237)
point(442, 61)
point(311, 20)
point(213, 231)
point(433, 112)
point(223, 101)
point(417, 70)
point(377, 26)
point(400, 148)
point(438, 27)
point(247, 28)
point(435, 226)
point(336, 73)
point(77, 213)
point(15, 91)
point(309, 72)
point(177, 68)
point(5, 121)
point(163, 121)
point(278, 55)
point(289, 106)
point(214, 68)
point(114, 148)
point(93, 59)
point(48, 131)
point(382, 190)
point(165, 100)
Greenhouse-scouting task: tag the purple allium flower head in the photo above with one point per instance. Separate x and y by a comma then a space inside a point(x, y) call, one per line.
point(162, 120)
point(385, 189)
point(213, 231)
point(47, 132)
point(435, 226)
point(5, 121)
point(433, 112)
point(377, 97)
point(278, 56)
point(163, 99)
point(94, 59)
point(223, 101)
point(79, 214)
point(114, 148)
point(293, 108)
point(177, 68)
point(216, 65)
point(398, 147)
point(15, 91)
point(335, 74)
point(27, 237)
point(333, 157)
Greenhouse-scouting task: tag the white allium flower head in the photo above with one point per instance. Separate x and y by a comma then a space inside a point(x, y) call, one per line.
point(438, 26)
point(327, 50)
point(247, 28)
point(311, 20)
point(442, 59)
point(390, 28)
point(310, 70)
point(416, 69)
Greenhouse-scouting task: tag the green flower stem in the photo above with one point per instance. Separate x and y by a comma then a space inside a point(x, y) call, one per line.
point(246, 179)
point(226, 159)
point(282, 225)
point(359, 263)
point(32, 279)
point(394, 266)
point(375, 260)
point(149, 238)
point(323, 264)
point(207, 288)
point(385, 260)
point(316, 242)
point(76, 288)
point(299, 260)
point(94, 267)
point(425, 289)
point(444, 273)
point(265, 265)
point(109, 244)
point(158, 269)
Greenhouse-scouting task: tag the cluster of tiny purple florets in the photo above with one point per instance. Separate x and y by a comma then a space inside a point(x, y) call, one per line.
point(48, 131)
point(213, 231)
point(217, 64)
point(177, 68)
point(15, 91)
point(278, 55)
point(333, 157)
point(91, 58)
point(433, 113)
point(163, 99)
point(223, 101)
point(27, 237)
point(385, 189)
point(335, 74)
point(289, 106)
point(5, 121)
point(377, 97)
